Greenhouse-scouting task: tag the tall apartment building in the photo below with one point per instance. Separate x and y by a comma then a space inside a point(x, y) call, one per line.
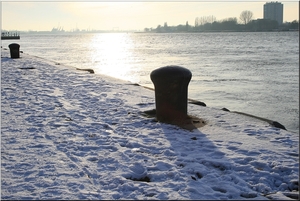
point(274, 11)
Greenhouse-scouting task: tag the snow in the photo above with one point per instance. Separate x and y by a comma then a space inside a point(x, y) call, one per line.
point(69, 134)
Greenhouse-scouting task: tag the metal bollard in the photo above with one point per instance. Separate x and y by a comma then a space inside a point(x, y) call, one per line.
point(171, 93)
point(14, 50)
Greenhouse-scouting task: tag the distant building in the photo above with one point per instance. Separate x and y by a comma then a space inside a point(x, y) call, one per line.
point(274, 11)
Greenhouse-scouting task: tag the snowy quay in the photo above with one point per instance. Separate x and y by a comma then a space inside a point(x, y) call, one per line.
point(69, 135)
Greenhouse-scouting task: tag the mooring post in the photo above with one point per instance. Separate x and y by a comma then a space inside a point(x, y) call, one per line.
point(14, 50)
point(171, 93)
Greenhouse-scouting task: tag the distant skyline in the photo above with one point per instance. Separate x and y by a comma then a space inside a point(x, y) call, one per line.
point(133, 15)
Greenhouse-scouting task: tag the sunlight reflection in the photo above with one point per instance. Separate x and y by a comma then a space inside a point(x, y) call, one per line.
point(112, 54)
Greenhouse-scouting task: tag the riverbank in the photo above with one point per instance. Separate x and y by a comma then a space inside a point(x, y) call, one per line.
point(258, 80)
point(69, 134)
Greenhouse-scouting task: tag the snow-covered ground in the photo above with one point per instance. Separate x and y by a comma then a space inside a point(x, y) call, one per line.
point(69, 134)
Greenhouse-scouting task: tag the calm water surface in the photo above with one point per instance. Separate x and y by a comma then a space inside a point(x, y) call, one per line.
point(251, 72)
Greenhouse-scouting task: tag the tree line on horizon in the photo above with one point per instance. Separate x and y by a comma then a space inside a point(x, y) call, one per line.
point(210, 24)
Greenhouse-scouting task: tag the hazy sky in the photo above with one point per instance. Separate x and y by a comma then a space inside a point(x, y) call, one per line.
point(133, 15)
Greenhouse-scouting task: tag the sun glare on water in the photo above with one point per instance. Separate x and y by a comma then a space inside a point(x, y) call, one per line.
point(112, 54)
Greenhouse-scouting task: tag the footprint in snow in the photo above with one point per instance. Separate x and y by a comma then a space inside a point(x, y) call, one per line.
point(137, 172)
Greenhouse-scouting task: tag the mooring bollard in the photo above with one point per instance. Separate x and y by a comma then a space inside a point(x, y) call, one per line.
point(171, 93)
point(14, 50)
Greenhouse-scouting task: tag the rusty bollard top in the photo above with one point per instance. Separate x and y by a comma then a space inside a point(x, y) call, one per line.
point(171, 93)
point(14, 45)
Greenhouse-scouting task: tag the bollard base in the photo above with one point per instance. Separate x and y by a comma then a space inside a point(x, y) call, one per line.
point(189, 123)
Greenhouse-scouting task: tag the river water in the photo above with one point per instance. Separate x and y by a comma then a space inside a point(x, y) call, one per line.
point(251, 72)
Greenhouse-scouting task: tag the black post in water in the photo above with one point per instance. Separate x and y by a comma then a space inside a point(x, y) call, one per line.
point(171, 93)
point(14, 50)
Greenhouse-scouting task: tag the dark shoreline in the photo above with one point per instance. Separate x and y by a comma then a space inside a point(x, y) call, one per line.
point(220, 31)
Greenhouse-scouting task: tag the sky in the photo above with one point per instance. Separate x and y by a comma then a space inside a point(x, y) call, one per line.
point(120, 15)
